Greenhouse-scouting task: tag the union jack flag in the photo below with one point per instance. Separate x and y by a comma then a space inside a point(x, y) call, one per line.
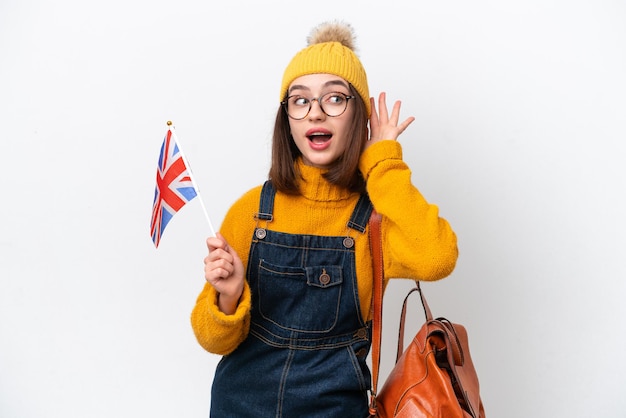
point(174, 187)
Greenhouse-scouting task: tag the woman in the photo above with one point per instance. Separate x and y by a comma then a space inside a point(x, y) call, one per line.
point(289, 277)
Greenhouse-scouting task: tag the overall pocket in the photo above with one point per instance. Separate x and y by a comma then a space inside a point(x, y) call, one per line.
point(300, 298)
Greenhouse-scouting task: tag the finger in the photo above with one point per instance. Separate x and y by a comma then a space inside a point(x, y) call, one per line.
point(219, 270)
point(214, 243)
point(217, 255)
point(382, 107)
point(405, 124)
point(395, 113)
point(215, 277)
point(221, 237)
point(374, 114)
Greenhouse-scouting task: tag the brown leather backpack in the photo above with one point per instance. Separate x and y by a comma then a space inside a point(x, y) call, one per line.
point(434, 377)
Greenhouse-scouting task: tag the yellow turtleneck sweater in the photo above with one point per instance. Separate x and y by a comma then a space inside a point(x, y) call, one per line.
point(417, 243)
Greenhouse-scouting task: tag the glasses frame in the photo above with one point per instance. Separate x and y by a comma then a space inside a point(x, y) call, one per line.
point(285, 102)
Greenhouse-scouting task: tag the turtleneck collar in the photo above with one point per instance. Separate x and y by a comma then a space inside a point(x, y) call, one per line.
point(315, 187)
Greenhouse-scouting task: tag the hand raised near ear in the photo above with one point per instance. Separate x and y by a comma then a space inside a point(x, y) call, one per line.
point(383, 126)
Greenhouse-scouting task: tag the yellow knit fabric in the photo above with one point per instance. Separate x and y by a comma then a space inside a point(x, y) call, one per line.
point(329, 58)
point(418, 244)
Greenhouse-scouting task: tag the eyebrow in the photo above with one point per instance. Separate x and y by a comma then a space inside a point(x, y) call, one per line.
point(326, 84)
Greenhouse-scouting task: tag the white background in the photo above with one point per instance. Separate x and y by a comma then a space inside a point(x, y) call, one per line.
point(519, 139)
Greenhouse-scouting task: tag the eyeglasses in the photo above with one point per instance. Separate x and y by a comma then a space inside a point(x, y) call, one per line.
point(333, 104)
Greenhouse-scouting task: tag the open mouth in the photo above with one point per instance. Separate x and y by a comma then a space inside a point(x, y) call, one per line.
point(319, 137)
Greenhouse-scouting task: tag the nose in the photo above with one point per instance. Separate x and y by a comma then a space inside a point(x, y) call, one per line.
point(316, 111)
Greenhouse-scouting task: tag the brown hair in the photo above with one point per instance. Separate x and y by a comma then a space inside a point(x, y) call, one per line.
point(344, 172)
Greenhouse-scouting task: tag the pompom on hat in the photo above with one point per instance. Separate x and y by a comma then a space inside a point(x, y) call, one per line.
point(330, 50)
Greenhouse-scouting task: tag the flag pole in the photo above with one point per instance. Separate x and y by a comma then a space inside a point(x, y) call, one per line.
point(193, 180)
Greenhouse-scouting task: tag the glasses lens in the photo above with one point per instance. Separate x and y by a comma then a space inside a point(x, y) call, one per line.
point(298, 107)
point(334, 104)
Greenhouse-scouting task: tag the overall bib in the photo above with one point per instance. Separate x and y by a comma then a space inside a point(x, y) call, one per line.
point(305, 355)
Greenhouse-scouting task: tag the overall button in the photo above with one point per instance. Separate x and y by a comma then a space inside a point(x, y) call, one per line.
point(361, 333)
point(260, 233)
point(324, 278)
point(348, 242)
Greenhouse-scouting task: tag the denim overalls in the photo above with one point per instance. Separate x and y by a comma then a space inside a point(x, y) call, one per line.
point(305, 355)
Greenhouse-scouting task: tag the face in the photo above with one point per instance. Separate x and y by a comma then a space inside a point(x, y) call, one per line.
point(320, 138)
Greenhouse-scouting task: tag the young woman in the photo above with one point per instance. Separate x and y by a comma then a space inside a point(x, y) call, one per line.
point(289, 277)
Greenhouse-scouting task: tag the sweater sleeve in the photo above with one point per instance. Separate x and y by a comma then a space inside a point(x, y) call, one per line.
point(417, 243)
point(215, 331)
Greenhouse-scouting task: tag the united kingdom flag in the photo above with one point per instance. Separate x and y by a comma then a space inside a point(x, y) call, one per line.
point(174, 187)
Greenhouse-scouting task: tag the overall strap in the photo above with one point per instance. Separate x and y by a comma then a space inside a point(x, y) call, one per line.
point(361, 214)
point(266, 205)
point(359, 219)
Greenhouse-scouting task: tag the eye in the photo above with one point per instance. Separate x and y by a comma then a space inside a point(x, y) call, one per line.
point(298, 101)
point(334, 98)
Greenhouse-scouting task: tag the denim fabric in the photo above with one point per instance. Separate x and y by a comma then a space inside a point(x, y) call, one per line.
point(306, 352)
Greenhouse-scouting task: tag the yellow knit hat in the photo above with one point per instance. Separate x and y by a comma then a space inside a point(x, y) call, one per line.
point(330, 50)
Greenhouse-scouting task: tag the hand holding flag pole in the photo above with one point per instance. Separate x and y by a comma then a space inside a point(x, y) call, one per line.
point(175, 186)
